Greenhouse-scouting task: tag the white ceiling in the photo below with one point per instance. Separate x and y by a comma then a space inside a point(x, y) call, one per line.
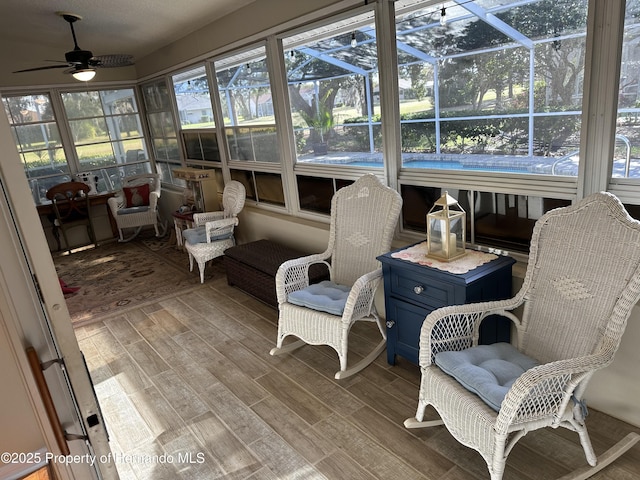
point(31, 34)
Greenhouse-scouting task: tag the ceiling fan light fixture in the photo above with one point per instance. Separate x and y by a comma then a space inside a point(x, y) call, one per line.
point(81, 63)
point(84, 74)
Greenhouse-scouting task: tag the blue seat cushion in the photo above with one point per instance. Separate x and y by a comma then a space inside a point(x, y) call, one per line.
point(325, 296)
point(129, 210)
point(486, 370)
point(199, 235)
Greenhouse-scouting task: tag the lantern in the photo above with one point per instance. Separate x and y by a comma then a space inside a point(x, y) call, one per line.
point(446, 222)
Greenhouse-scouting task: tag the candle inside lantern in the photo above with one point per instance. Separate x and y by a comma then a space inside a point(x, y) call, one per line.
point(452, 243)
point(443, 240)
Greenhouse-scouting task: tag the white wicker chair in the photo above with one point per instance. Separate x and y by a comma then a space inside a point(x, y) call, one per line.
point(582, 280)
point(363, 220)
point(213, 231)
point(136, 217)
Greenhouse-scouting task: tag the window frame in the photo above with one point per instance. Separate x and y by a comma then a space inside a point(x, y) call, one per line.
point(162, 163)
point(111, 173)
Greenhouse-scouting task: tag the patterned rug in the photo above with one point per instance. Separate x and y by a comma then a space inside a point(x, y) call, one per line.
point(118, 276)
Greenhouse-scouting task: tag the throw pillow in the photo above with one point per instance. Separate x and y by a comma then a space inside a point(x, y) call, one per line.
point(137, 196)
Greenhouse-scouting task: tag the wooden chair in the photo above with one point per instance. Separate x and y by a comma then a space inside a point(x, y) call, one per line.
point(364, 216)
point(582, 280)
point(71, 207)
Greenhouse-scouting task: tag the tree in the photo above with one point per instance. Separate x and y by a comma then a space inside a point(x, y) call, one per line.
point(419, 74)
point(317, 114)
point(558, 62)
point(313, 87)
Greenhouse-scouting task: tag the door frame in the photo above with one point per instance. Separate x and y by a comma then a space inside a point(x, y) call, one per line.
point(36, 315)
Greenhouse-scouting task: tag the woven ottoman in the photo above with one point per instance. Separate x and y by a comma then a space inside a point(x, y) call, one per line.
point(252, 268)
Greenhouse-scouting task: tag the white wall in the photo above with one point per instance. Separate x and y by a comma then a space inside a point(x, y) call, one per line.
point(616, 389)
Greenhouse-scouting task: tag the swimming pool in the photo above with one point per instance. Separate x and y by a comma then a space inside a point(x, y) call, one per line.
point(531, 165)
point(439, 166)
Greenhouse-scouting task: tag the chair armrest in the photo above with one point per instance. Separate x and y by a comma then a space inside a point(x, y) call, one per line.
point(153, 200)
point(457, 327)
point(361, 296)
point(202, 218)
point(115, 203)
point(546, 390)
point(220, 227)
point(293, 274)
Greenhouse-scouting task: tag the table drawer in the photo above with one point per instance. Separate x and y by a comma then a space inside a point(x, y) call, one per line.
point(418, 289)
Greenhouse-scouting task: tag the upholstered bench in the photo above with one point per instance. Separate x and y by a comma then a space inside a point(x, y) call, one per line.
point(252, 268)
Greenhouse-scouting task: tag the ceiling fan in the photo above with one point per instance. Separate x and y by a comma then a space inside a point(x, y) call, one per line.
point(80, 63)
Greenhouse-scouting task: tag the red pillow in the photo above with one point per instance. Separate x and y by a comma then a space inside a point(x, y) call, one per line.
point(137, 196)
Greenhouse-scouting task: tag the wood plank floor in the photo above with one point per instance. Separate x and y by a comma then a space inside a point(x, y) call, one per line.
point(191, 378)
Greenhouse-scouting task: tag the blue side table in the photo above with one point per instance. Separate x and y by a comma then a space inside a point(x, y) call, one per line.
point(413, 290)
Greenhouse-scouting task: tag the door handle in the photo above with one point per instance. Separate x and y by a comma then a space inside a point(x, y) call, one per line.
point(49, 407)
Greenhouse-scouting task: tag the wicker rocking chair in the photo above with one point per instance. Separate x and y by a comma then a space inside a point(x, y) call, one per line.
point(582, 280)
point(363, 221)
point(137, 206)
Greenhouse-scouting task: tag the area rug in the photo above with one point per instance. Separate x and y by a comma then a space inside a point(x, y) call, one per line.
point(115, 277)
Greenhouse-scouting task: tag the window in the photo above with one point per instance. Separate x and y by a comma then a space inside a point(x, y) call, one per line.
point(250, 127)
point(332, 74)
point(107, 134)
point(496, 219)
point(191, 89)
point(198, 133)
point(36, 133)
point(247, 107)
point(316, 193)
point(164, 140)
point(201, 145)
point(262, 187)
point(497, 88)
point(627, 150)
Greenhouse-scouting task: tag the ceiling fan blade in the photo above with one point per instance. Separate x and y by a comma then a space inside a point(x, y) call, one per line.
point(79, 59)
point(77, 68)
point(66, 65)
point(112, 61)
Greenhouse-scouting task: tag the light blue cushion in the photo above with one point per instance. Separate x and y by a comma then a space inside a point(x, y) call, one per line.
point(325, 296)
point(486, 370)
point(199, 235)
point(129, 210)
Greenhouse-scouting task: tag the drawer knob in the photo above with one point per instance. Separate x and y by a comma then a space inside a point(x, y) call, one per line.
point(418, 289)
point(390, 323)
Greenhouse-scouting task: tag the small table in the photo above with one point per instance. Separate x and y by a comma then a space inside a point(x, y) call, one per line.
point(181, 221)
point(413, 290)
